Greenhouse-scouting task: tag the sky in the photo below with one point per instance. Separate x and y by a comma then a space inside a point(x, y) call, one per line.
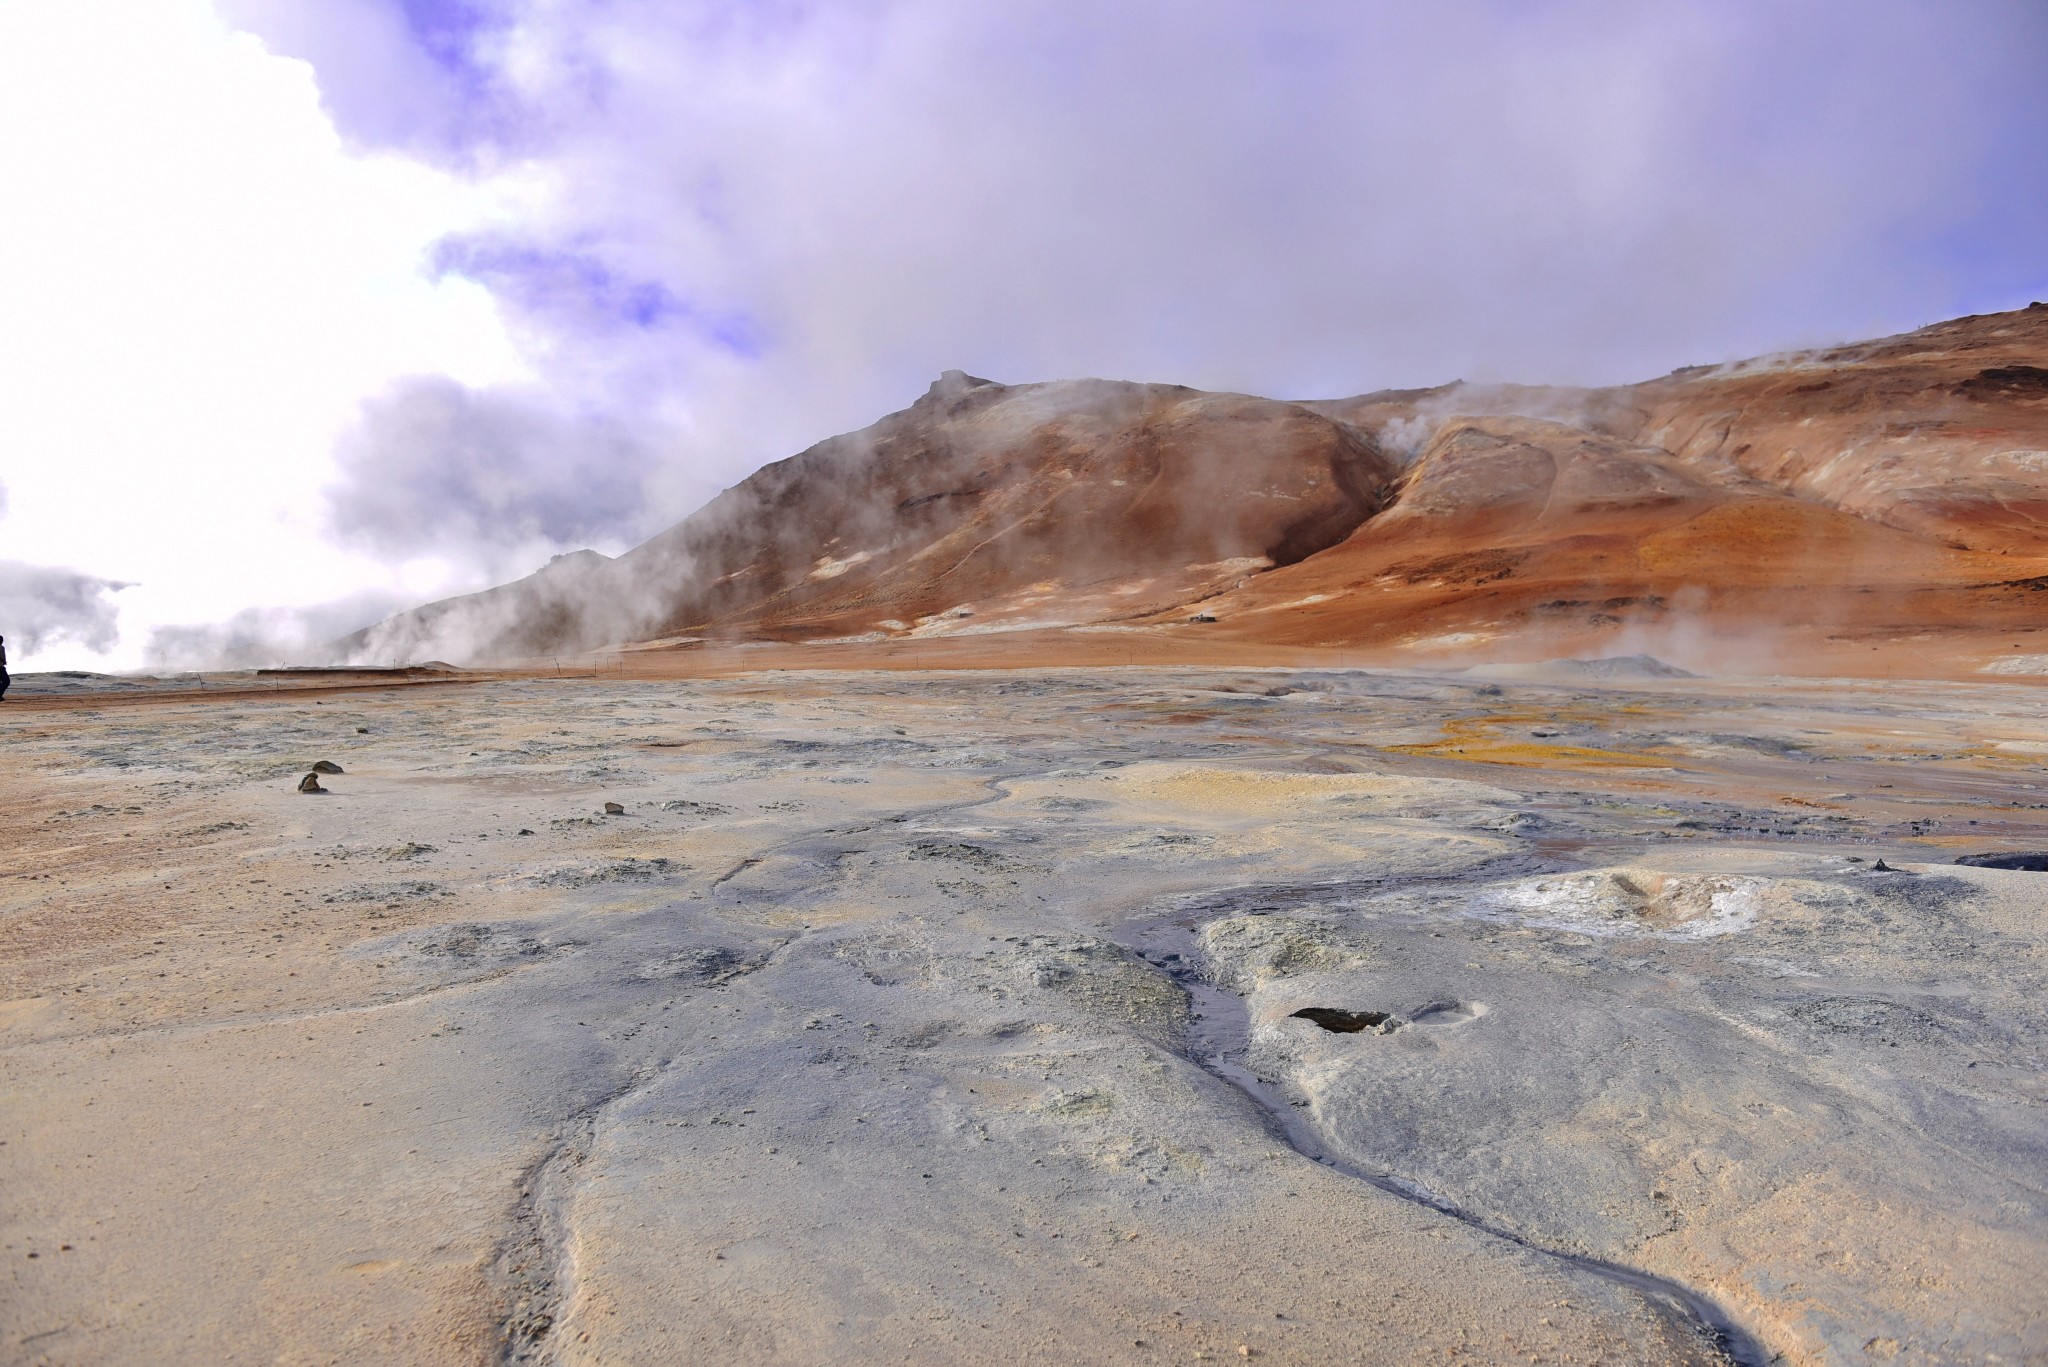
point(315, 309)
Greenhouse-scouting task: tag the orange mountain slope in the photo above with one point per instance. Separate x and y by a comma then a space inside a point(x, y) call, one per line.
point(1895, 489)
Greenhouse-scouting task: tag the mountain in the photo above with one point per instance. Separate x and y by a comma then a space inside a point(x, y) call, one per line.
point(1886, 488)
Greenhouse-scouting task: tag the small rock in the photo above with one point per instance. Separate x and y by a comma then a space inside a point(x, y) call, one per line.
point(1881, 867)
point(524, 831)
point(326, 766)
point(311, 784)
point(362, 730)
point(614, 809)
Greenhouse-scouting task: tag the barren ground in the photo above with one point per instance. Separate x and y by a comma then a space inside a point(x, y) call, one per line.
point(950, 1017)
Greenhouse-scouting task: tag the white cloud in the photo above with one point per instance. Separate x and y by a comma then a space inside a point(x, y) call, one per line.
point(43, 606)
point(676, 239)
point(497, 477)
point(259, 638)
point(201, 283)
point(1309, 199)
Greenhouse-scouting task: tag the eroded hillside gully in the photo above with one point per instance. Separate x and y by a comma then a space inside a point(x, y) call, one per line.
point(1086, 1016)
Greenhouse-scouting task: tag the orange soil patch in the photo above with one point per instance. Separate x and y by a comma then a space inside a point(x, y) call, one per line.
point(1479, 740)
point(1786, 542)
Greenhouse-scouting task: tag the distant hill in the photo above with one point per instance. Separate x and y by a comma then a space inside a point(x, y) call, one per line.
point(1889, 486)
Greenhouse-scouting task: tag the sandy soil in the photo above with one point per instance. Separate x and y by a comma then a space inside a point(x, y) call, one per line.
point(953, 1017)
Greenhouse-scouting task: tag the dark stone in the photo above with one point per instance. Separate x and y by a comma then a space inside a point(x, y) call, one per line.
point(2026, 863)
point(2005, 381)
point(1340, 1022)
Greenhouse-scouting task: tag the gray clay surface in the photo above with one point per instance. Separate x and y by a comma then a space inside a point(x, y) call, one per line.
point(958, 1018)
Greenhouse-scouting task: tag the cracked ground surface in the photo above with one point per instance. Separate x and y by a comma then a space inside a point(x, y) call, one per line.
point(959, 1018)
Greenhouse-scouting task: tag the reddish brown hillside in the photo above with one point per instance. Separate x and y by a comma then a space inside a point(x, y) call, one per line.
point(1942, 431)
point(980, 506)
point(1888, 490)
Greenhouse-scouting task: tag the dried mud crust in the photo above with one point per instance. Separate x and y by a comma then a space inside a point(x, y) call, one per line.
point(1405, 1031)
point(775, 1066)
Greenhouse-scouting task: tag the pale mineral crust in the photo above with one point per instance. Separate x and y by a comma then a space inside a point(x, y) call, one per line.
point(958, 1017)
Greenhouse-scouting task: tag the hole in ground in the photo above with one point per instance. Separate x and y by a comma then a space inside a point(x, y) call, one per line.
point(1340, 1022)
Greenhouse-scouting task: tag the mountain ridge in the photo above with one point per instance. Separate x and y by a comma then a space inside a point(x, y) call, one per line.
point(1899, 484)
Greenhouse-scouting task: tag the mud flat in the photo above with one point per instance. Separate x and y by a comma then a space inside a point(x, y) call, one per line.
point(1086, 1015)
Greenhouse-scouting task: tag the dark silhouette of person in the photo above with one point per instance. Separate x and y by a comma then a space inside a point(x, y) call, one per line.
point(5, 677)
